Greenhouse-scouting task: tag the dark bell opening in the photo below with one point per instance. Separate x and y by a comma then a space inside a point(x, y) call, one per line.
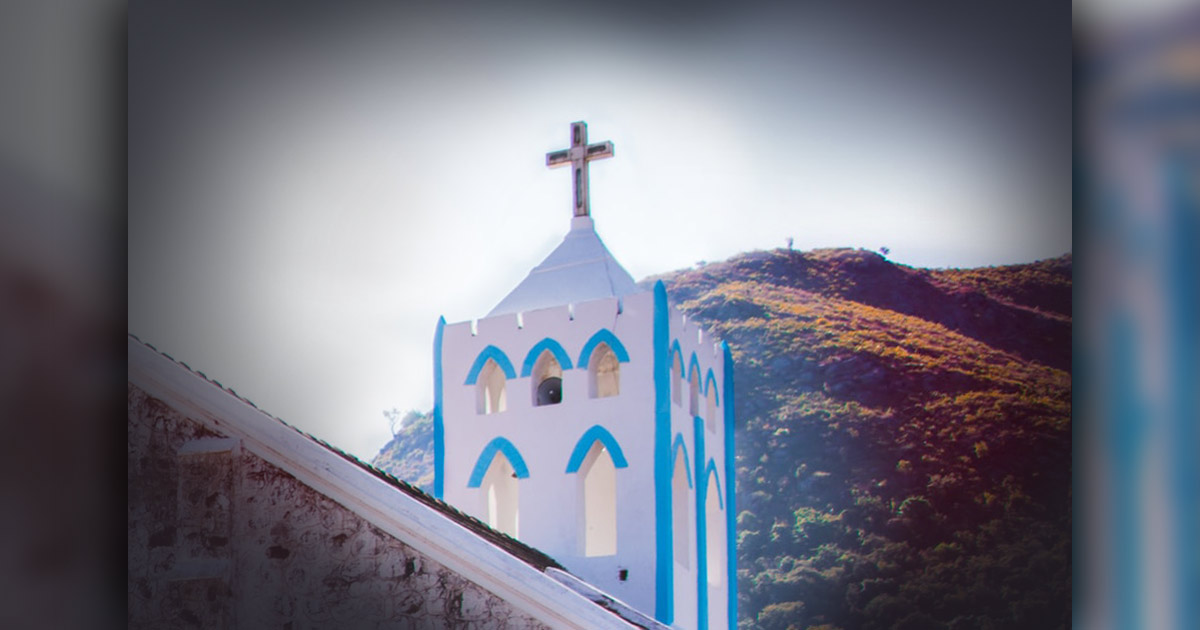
point(549, 392)
point(623, 574)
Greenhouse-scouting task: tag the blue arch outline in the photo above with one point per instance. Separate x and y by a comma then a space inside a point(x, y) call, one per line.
point(555, 348)
point(711, 469)
point(496, 354)
point(607, 336)
point(497, 445)
point(687, 466)
point(712, 378)
point(594, 434)
point(693, 367)
point(675, 350)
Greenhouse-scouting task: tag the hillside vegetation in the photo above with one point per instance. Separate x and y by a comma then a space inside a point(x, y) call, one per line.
point(903, 439)
point(409, 456)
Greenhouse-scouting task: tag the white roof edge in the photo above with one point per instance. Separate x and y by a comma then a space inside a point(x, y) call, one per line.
point(421, 527)
point(601, 598)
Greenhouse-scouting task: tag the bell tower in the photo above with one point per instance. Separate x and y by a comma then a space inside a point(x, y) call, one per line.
point(589, 418)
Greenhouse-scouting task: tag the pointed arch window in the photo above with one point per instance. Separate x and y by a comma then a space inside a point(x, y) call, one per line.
point(710, 409)
point(694, 393)
point(598, 478)
point(547, 380)
point(677, 379)
point(491, 395)
point(595, 458)
point(604, 372)
point(501, 496)
point(714, 526)
point(711, 401)
point(680, 508)
point(495, 473)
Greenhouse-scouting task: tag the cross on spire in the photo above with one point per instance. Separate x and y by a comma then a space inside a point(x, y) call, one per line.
point(578, 156)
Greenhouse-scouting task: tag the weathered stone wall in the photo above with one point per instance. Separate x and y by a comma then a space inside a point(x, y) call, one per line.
point(219, 538)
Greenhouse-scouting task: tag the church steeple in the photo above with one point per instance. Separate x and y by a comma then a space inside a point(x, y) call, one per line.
point(559, 420)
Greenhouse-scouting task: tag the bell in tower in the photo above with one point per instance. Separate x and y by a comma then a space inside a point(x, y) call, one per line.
point(549, 392)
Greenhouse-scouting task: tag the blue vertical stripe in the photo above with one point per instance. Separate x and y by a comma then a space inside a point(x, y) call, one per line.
point(439, 430)
point(730, 488)
point(701, 528)
point(1124, 439)
point(1183, 312)
point(664, 590)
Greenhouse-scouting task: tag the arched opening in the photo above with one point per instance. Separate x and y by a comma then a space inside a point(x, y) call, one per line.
point(604, 372)
point(694, 393)
point(500, 496)
point(598, 476)
point(677, 379)
point(679, 510)
point(490, 389)
point(547, 380)
point(714, 530)
point(710, 411)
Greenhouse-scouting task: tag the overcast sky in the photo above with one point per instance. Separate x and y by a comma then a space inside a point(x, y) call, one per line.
point(311, 186)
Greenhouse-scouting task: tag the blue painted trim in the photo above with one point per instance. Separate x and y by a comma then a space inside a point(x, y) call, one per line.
point(1182, 305)
point(439, 428)
point(1124, 441)
point(497, 445)
point(554, 347)
point(603, 335)
point(730, 490)
point(710, 381)
point(710, 470)
point(675, 350)
point(693, 367)
point(701, 529)
point(496, 354)
point(687, 466)
point(664, 564)
point(594, 434)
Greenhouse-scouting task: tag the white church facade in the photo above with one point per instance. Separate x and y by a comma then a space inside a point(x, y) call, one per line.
point(590, 419)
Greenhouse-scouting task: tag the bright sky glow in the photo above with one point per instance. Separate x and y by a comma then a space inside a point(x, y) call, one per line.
point(308, 193)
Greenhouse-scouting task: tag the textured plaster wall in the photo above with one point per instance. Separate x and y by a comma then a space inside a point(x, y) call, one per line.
point(219, 538)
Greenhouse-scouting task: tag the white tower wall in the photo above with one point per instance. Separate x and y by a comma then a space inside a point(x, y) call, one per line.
point(551, 499)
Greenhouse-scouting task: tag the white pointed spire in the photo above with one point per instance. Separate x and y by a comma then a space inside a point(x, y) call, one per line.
point(579, 269)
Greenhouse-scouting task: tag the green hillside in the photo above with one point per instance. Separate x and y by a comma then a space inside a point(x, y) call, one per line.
point(903, 438)
point(409, 456)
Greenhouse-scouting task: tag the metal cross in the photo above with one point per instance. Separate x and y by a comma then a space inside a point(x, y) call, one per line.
point(578, 157)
